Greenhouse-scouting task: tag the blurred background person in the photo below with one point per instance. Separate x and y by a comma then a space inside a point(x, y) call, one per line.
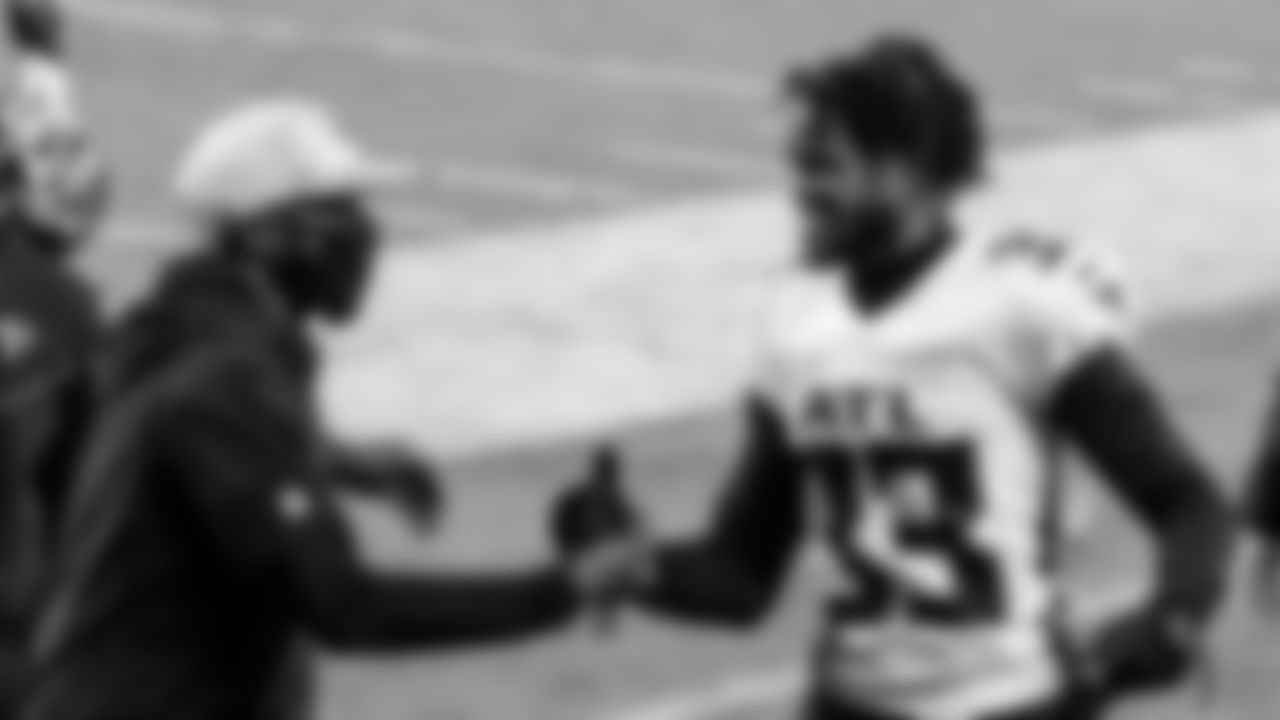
point(53, 195)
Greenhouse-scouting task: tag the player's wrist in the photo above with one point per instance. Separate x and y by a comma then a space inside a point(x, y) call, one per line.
point(613, 569)
point(1145, 648)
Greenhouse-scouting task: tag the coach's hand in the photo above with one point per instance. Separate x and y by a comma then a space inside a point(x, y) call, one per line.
point(600, 534)
point(1142, 651)
point(394, 474)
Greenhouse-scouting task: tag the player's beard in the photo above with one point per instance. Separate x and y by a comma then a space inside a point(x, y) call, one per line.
point(866, 234)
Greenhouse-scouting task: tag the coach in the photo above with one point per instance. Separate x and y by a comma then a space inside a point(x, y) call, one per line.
point(201, 557)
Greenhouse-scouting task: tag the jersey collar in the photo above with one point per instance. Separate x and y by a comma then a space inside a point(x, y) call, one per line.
point(878, 287)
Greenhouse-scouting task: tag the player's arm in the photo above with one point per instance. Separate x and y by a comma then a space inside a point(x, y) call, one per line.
point(1261, 509)
point(1117, 420)
point(1098, 397)
point(388, 473)
point(734, 572)
point(238, 451)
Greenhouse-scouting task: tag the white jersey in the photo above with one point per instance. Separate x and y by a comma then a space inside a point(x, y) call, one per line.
point(923, 430)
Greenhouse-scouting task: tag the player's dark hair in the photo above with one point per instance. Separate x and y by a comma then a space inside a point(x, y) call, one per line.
point(898, 97)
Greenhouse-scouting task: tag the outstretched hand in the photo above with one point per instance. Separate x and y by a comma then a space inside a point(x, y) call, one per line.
point(394, 474)
point(596, 508)
point(600, 534)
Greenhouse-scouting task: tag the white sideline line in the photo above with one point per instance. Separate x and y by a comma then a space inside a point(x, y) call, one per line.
point(1041, 120)
point(1138, 92)
point(403, 226)
point(1181, 91)
point(168, 20)
point(171, 21)
point(669, 157)
point(530, 184)
point(1222, 70)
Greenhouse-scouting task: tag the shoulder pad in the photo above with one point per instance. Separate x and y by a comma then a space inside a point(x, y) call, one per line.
point(1056, 259)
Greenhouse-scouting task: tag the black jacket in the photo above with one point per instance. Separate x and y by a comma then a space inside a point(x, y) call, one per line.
point(48, 322)
point(201, 554)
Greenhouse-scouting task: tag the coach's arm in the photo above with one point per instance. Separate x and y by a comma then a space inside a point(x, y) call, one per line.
point(238, 443)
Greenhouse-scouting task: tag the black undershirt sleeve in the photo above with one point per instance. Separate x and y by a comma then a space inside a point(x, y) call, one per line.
point(1262, 494)
point(1113, 416)
point(733, 573)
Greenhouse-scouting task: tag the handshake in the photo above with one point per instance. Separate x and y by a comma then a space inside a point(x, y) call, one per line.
point(601, 539)
point(596, 529)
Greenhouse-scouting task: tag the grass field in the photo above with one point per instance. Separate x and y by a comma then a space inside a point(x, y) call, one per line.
point(528, 116)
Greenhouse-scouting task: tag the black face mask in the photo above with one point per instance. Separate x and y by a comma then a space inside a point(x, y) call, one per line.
point(326, 256)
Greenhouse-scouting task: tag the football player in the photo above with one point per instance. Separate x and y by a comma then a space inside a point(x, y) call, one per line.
point(922, 386)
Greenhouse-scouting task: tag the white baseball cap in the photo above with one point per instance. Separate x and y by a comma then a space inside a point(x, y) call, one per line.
point(268, 152)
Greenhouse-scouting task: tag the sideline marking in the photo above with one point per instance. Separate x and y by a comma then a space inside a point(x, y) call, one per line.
point(179, 22)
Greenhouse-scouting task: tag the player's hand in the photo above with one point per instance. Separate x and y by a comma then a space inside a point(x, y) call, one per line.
point(600, 534)
point(394, 474)
point(1142, 651)
point(606, 575)
point(595, 508)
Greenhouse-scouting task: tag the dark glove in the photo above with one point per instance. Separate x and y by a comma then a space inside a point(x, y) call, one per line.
point(1142, 651)
point(394, 474)
point(595, 509)
point(599, 533)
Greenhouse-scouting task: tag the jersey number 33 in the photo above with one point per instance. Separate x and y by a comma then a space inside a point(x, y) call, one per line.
point(904, 508)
